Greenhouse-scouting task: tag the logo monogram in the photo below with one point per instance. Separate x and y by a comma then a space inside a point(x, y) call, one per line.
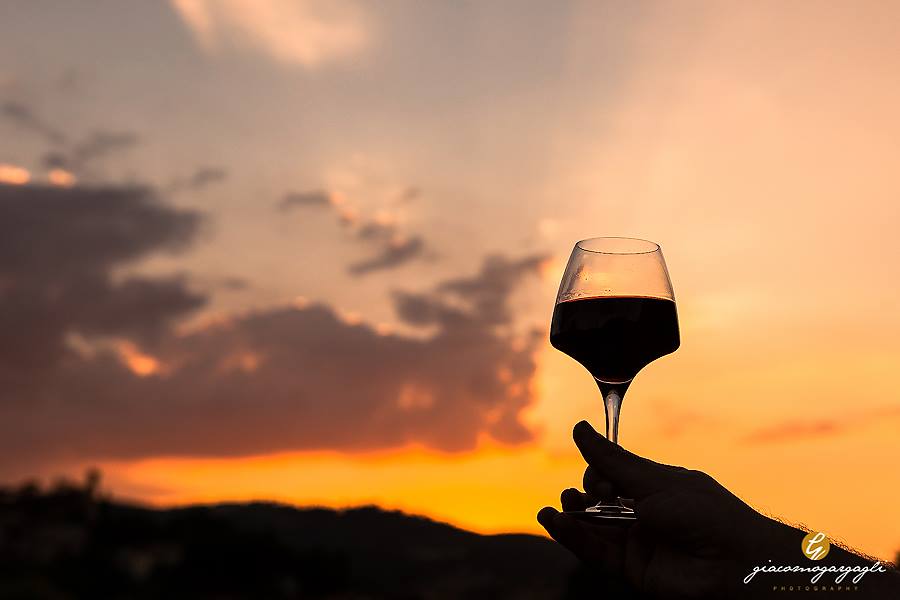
point(815, 546)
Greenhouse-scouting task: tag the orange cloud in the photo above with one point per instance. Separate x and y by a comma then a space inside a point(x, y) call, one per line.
point(139, 363)
point(308, 33)
point(392, 248)
point(13, 175)
point(61, 178)
point(790, 431)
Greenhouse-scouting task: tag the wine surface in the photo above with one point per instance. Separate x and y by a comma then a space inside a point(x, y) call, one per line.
point(614, 337)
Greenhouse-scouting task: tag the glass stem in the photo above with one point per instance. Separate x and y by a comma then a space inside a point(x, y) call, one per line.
point(613, 402)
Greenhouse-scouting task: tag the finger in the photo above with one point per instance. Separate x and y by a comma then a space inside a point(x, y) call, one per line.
point(680, 516)
point(579, 539)
point(572, 499)
point(639, 549)
point(596, 485)
point(564, 529)
point(633, 475)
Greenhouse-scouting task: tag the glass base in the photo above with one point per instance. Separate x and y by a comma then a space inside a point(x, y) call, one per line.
point(604, 511)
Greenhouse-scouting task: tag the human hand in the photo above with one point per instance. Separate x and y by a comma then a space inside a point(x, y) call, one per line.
point(692, 537)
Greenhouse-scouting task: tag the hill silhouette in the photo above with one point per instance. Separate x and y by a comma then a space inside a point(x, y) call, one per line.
point(70, 542)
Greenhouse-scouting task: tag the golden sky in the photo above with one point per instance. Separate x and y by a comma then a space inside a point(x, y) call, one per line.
point(342, 171)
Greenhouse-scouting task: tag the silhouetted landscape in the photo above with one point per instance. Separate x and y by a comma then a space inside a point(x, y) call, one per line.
point(69, 541)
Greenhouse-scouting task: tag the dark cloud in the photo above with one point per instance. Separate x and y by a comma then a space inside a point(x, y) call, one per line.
point(391, 247)
point(26, 119)
point(65, 154)
point(58, 251)
point(284, 378)
point(391, 254)
point(293, 200)
point(485, 296)
point(199, 179)
point(98, 145)
point(102, 143)
point(487, 292)
point(375, 231)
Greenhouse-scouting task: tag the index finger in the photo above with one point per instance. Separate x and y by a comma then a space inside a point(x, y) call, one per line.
point(634, 475)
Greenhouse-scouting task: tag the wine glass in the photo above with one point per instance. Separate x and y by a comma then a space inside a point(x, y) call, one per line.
point(614, 314)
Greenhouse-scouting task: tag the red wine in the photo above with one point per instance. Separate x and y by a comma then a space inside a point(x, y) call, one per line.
point(615, 337)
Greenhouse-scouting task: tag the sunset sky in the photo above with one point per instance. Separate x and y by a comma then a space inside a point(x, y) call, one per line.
point(308, 251)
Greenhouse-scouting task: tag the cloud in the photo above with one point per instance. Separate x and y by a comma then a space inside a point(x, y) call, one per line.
point(94, 362)
point(282, 378)
point(96, 146)
point(488, 291)
point(199, 179)
point(673, 419)
point(799, 429)
point(67, 157)
point(14, 174)
point(61, 177)
point(409, 194)
point(311, 198)
point(102, 143)
point(307, 33)
point(59, 248)
point(26, 119)
point(234, 284)
point(391, 247)
point(392, 254)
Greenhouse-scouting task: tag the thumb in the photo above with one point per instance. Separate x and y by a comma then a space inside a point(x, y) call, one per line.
point(635, 476)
